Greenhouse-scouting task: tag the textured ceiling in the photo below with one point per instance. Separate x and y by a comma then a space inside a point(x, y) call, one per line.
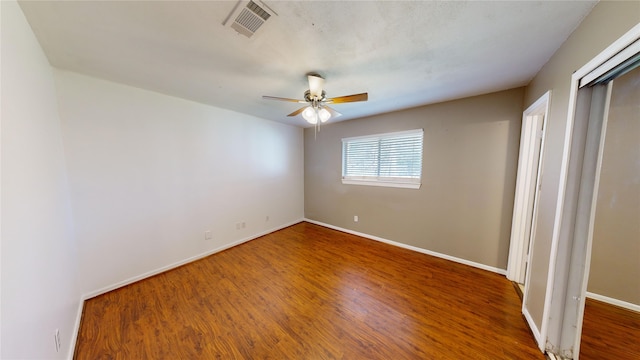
point(403, 53)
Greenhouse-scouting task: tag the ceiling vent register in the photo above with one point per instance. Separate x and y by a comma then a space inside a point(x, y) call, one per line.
point(247, 17)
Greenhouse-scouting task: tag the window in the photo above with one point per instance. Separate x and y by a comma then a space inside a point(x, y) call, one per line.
point(392, 159)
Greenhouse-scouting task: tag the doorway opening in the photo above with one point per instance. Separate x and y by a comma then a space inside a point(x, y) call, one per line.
point(589, 104)
point(528, 182)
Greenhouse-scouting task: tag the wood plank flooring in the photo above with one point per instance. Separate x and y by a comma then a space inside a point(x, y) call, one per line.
point(609, 332)
point(308, 292)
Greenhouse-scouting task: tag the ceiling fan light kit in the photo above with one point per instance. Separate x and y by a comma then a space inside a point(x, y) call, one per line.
point(313, 114)
point(317, 101)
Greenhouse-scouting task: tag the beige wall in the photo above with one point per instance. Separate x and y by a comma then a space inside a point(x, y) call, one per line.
point(464, 206)
point(607, 22)
point(615, 261)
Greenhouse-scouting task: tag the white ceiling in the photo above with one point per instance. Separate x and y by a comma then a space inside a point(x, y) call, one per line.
point(403, 53)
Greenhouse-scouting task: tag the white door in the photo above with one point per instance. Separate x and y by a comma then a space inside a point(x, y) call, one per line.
point(528, 178)
point(526, 200)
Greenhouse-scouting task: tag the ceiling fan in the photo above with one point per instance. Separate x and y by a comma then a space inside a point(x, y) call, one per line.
point(317, 108)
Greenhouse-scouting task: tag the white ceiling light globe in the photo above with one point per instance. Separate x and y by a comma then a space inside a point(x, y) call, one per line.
point(310, 115)
point(324, 115)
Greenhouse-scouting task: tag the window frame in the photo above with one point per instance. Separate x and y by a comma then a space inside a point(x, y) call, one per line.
point(386, 181)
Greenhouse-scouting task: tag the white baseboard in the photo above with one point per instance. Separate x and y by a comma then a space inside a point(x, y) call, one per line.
point(533, 328)
point(612, 301)
point(76, 328)
point(413, 248)
point(151, 273)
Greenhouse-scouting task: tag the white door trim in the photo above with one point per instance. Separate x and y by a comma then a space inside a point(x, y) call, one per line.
point(534, 120)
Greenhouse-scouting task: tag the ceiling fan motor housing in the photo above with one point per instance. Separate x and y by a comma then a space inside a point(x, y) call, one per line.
point(309, 98)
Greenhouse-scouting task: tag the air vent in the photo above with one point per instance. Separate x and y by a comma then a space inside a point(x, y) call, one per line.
point(248, 16)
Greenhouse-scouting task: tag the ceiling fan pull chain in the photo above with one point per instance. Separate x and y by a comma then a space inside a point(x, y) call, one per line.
point(315, 105)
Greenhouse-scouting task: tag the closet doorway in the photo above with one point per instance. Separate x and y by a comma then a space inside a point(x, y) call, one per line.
point(590, 106)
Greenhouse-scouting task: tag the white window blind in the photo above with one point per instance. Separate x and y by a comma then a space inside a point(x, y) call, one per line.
point(391, 159)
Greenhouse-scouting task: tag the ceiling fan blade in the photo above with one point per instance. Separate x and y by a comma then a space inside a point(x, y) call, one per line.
point(334, 114)
point(316, 84)
point(348, 98)
point(297, 111)
point(283, 99)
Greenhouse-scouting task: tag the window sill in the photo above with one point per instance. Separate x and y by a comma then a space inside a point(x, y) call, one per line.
point(403, 185)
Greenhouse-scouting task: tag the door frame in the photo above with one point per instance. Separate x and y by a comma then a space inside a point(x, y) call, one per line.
point(569, 270)
point(527, 186)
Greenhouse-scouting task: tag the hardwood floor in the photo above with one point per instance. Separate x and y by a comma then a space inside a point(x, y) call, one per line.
point(308, 292)
point(609, 332)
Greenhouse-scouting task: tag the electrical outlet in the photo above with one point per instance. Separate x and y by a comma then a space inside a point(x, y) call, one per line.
point(355, 218)
point(267, 218)
point(238, 226)
point(207, 235)
point(244, 225)
point(57, 340)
